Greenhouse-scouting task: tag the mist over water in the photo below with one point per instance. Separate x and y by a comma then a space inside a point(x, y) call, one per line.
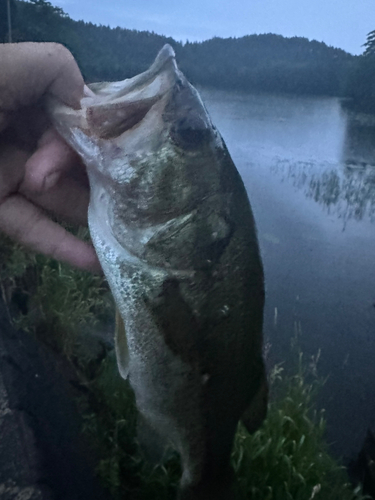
point(309, 169)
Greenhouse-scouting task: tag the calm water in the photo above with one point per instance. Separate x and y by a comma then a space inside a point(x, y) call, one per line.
point(310, 174)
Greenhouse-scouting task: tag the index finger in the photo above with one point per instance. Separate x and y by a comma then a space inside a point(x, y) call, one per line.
point(26, 223)
point(30, 70)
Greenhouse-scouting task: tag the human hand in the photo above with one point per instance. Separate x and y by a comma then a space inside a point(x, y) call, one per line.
point(39, 173)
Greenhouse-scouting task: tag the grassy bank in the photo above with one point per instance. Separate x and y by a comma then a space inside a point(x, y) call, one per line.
point(286, 459)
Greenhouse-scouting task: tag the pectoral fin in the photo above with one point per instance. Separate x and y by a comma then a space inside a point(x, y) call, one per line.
point(122, 352)
point(176, 321)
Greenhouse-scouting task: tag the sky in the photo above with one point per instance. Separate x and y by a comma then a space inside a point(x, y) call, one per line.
point(339, 23)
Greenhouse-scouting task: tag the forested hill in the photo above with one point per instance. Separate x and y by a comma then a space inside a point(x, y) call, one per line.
point(269, 63)
point(252, 63)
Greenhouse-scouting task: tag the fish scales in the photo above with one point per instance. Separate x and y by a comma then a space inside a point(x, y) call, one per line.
point(173, 228)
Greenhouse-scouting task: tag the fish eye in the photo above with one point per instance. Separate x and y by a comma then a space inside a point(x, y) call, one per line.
point(189, 133)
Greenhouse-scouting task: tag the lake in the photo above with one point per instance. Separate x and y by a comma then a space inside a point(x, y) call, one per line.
point(309, 170)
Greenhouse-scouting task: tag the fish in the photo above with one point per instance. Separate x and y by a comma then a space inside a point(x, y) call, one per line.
point(174, 231)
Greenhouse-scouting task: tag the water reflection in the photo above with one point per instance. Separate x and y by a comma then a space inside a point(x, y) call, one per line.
point(347, 190)
point(359, 144)
point(314, 143)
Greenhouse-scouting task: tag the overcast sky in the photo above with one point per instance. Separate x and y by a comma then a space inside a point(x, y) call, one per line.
point(340, 23)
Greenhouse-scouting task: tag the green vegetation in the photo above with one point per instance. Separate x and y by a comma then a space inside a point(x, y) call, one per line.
point(286, 459)
point(50, 298)
point(267, 63)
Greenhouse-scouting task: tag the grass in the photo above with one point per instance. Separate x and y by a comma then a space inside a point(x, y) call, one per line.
point(50, 298)
point(287, 459)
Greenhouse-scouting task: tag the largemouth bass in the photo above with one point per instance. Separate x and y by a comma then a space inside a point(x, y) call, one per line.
point(173, 228)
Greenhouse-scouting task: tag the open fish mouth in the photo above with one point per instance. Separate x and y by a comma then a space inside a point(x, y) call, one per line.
point(115, 107)
point(111, 108)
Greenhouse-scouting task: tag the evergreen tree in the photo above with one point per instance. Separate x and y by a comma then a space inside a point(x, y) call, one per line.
point(370, 44)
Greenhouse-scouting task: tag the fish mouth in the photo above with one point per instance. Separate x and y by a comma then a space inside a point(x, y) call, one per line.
point(110, 109)
point(115, 107)
point(111, 91)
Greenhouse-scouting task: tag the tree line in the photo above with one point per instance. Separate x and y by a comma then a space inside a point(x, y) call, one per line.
point(361, 82)
point(253, 63)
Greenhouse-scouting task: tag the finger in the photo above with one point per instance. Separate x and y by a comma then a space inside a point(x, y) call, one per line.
point(24, 222)
point(30, 70)
point(45, 167)
point(68, 199)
